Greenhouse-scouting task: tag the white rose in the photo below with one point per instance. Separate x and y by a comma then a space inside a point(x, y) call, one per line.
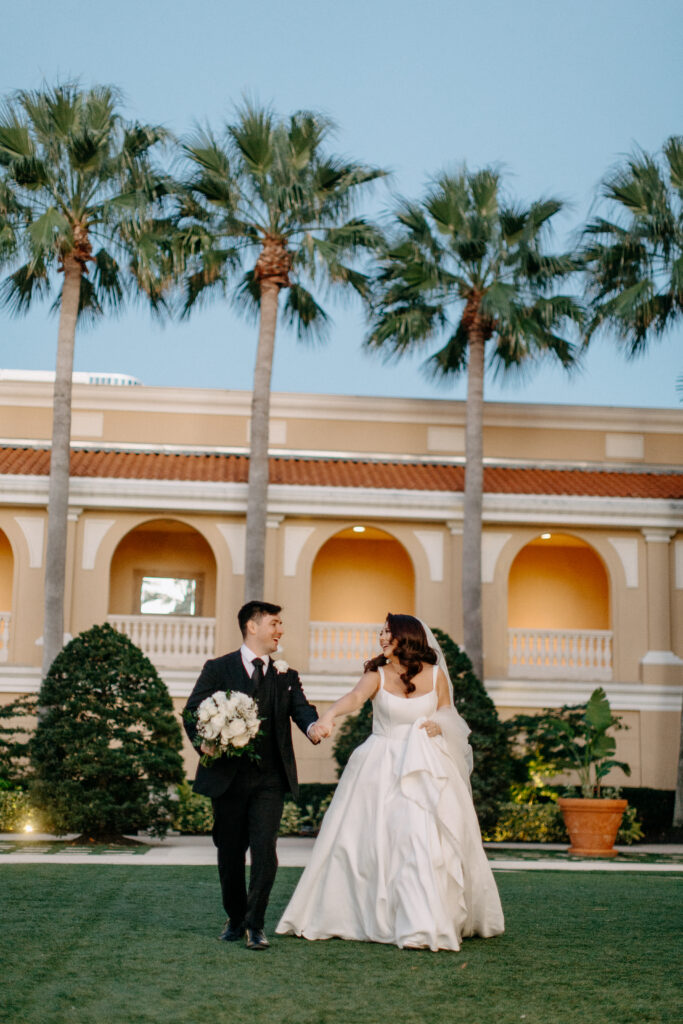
point(281, 666)
point(209, 730)
point(203, 713)
point(236, 728)
point(240, 741)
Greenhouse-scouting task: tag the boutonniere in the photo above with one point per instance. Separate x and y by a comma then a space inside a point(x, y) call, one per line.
point(281, 666)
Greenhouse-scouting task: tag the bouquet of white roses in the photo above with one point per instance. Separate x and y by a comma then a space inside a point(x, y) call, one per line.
point(227, 722)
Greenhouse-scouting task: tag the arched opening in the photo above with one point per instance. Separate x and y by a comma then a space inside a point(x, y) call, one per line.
point(559, 610)
point(162, 592)
point(358, 575)
point(6, 581)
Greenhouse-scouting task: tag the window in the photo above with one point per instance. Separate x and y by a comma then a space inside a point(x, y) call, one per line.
point(169, 595)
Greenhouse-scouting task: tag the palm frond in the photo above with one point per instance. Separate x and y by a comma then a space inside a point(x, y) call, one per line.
point(451, 360)
point(43, 232)
point(303, 313)
point(402, 327)
point(252, 134)
point(27, 283)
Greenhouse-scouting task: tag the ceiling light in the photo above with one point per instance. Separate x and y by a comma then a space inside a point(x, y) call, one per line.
point(546, 536)
point(359, 529)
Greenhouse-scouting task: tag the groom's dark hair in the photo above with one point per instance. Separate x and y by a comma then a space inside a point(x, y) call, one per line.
point(255, 610)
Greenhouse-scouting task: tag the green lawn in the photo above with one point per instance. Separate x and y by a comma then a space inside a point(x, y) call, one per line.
point(95, 944)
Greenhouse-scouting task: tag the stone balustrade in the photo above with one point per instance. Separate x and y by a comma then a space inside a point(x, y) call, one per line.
point(560, 654)
point(170, 641)
point(342, 646)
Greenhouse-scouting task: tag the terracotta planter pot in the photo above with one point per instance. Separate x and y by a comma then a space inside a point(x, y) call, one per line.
point(592, 825)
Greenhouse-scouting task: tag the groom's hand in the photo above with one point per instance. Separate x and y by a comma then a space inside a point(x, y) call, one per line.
point(317, 732)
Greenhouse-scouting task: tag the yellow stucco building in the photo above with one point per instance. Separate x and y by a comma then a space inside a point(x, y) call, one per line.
point(582, 560)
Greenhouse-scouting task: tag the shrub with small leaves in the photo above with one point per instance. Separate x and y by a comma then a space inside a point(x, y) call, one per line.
point(194, 813)
point(106, 751)
point(17, 722)
point(543, 823)
point(16, 811)
point(297, 820)
point(528, 823)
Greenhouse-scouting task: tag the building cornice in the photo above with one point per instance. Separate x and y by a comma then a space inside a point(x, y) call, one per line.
point(97, 493)
point(214, 401)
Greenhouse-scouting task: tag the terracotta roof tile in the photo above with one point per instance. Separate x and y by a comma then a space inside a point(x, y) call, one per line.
point(428, 476)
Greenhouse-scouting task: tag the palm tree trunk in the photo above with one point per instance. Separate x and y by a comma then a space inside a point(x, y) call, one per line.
point(474, 487)
point(257, 497)
point(58, 495)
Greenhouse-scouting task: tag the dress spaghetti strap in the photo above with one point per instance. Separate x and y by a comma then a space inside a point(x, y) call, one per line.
point(381, 677)
point(434, 675)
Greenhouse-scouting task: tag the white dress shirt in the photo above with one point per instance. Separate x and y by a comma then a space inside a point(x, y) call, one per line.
point(248, 660)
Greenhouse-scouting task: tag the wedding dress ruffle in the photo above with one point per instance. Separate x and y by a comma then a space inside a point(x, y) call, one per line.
point(399, 857)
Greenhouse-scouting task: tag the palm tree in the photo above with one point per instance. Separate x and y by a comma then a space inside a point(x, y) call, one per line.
point(634, 269)
point(463, 251)
point(76, 189)
point(267, 207)
point(634, 261)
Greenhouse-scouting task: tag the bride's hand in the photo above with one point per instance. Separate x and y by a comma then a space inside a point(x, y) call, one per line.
point(321, 729)
point(325, 725)
point(432, 728)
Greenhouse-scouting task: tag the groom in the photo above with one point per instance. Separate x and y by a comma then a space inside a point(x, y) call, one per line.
point(248, 796)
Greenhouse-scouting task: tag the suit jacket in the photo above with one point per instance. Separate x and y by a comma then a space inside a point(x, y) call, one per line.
point(289, 700)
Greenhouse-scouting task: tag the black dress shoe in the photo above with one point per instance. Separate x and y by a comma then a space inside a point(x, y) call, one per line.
point(232, 932)
point(256, 939)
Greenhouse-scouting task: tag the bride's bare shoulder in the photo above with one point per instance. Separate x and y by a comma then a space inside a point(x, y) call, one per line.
point(368, 682)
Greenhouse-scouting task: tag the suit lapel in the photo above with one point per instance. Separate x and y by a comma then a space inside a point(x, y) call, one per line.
point(237, 678)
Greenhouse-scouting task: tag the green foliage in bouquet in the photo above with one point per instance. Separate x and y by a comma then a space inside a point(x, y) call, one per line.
point(106, 751)
point(493, 764)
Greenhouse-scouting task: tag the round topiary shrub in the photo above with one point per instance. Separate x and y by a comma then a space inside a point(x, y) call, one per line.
point(106, 751)
point(493, 760)
point(490, 744)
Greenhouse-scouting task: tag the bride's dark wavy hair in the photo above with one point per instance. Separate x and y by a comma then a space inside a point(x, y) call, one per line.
point(412, 649)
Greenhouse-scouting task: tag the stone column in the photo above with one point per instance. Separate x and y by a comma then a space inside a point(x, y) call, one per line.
point(455, 573)
point(273, 557)
point(73, 516)
point(660, 664)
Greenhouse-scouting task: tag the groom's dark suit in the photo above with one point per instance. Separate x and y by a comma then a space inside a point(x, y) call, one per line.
point(248, 796)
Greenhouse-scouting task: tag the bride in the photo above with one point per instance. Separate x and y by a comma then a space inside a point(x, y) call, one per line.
point(399, 857)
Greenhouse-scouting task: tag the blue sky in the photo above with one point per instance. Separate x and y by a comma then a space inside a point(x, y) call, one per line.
point(554, 92)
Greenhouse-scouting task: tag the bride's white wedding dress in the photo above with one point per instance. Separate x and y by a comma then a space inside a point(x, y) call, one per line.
point(399, 857)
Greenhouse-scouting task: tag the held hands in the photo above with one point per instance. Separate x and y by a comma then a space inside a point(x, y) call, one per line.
point(431, 728)
point(321, 729)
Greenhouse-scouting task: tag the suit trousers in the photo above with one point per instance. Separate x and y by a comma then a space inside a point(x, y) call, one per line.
point(247, 816)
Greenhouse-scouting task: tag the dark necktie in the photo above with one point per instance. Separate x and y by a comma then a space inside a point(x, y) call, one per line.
point(257, 676)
